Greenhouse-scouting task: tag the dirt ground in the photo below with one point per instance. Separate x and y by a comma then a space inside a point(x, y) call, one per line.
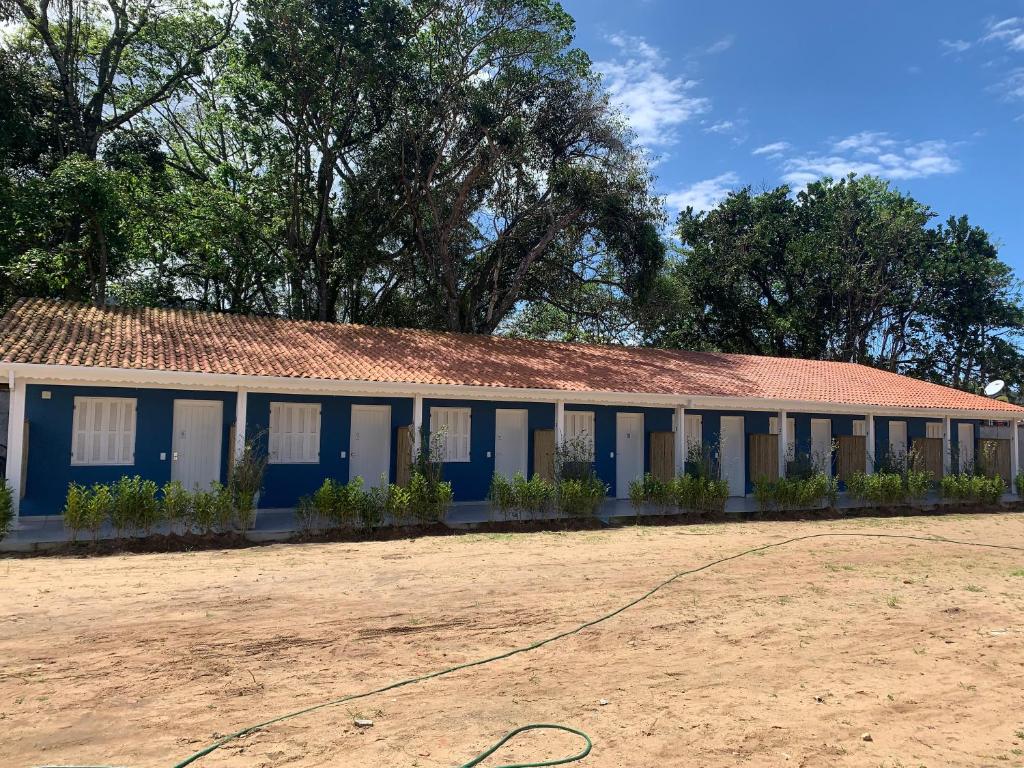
point(787, 658)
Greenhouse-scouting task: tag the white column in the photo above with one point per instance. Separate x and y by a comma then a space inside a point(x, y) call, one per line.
point(783, 442)
point(947, 451)
point(680, 440)
point(417, 424)
point(15, 443)
point(1015, 459)
point(870, 452)
point(241, 404)
point(559, 422)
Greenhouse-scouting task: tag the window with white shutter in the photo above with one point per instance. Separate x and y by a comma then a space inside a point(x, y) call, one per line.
point(860, 427)
point(934, 429)
point(579, 426)
point(294, 433)
point(453, 426)
point(103, 431)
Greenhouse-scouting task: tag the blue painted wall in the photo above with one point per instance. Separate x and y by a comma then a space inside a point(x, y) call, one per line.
point(754, 423)
point(285, 484)
point(655, 420)
point(471, 480)
point(49, 465)
point(50, 471)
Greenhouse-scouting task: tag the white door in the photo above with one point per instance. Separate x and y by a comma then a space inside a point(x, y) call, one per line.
point(898, 441)
point(195, 447)
point(965, 439)
point(370, 444)
point(629, 451)
point(821, 445)
point(734, 463)
point(510, 441)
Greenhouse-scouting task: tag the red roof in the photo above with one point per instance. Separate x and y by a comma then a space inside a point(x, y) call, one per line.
point(50, 332)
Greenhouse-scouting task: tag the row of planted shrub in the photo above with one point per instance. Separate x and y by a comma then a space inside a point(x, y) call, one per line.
point(683, 493)
point(349, 506)
point(977, 489)
point(133, 506)
point(911, 485)
point(537, 498)
point(889, 487)
point(790, 493)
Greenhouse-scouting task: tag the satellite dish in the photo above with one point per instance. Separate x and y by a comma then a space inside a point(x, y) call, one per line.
point(994, 388)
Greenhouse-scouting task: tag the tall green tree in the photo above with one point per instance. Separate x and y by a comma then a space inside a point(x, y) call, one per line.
point(105, 66)
point(513, 167)
point(846, 270)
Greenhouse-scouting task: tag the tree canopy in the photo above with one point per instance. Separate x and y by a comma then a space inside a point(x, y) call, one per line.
point(849, 270)
point(425, 162)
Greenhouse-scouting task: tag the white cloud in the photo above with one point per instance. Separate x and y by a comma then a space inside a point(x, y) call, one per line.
point(722, 45)
point(865, 142)
point(1008, 31)
point(773, 150)
point(723, 126)
point(703, 195)
point(654, 102)
point(1011, 88)
point(874, 153)
point(955, 46)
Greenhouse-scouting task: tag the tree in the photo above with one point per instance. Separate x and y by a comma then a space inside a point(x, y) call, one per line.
point(105, 65)
point(849, 270)
point(513, 167)
point(972, 311)
point(330, 72)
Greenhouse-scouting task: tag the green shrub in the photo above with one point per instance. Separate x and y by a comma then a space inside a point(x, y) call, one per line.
point(223, 506)
point(889, 487)
point(348, 505)
point(246, 481)
point(6, 508)
point(795, 492)
point(580, 496)
point(650, 490)
point(699, 493)
point(390, 502)
point(349, 500)
point(530, 497)
point(203, 511)
point(429, 496)
point(502, 495)
point(918, 483)
point(135, 505)
point(176, 505)
point(370, 506)
point(991, 490)
point(972, 488)
point(86, 509)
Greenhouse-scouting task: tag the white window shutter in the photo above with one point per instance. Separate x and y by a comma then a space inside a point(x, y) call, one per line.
point(455, 424)
point(294, 433)
point(103, 431)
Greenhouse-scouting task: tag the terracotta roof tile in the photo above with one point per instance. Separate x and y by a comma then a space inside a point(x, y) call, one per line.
point(51, 332)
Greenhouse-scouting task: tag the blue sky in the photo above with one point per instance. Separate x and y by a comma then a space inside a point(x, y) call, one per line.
point(927, 94)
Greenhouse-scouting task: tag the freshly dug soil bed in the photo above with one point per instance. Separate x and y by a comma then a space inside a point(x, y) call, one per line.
point(787, 657)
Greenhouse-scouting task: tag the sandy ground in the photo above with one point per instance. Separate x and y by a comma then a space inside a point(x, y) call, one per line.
point(783, 658)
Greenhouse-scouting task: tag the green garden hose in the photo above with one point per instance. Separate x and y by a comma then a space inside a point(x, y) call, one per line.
point(540, 643)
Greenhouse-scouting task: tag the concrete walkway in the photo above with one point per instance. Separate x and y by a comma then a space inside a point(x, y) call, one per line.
point(279, 524)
